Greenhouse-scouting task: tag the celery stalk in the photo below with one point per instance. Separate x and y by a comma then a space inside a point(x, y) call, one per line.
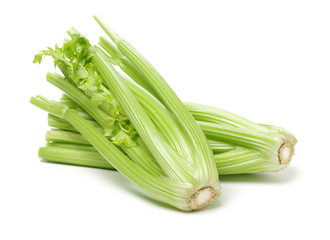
point(202, 155)
point(60, 153)
point(236, 161)
point(165, 189)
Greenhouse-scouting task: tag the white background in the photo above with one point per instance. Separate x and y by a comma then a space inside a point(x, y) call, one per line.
point(265, 60)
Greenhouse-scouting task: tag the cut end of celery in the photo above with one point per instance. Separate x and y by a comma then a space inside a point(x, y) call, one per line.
point(202, 197)
point(285, 153)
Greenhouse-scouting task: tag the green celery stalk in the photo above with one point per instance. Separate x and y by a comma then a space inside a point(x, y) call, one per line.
point(202, 155)
point(57, 135)
point(165, 189)
point(235, 161)
point(210, 114)
point(74, 155)
point(171, 163)
point(196, 166)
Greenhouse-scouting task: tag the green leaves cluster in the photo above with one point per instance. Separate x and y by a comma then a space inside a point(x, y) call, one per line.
point(74, 59)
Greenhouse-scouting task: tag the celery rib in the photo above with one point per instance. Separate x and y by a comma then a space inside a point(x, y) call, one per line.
point(166, 158)
point(174, 193)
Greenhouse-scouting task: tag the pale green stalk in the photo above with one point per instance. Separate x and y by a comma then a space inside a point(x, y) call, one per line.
point(236, 161)
point(63, 136)
point(210, 114)
point(74, 155)
point(165, 189)
point(202, 155)
point(172, 164)
point(229, 159)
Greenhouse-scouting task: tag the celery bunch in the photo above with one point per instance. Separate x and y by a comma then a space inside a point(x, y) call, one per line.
point(133, 122)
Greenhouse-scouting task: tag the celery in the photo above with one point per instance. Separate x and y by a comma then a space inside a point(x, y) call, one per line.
point(188, 161)
point(230, 159)
point(224, 126)
point(165, 189)
point(55, 135)
point(137, 125)
point(276, 144)
point(72, 154)
point(202, 155)
point(237, 160)
point(105, 123)
point(266, 144)
point(74, 137)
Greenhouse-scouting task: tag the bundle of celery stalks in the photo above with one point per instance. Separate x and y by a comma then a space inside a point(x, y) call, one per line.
point(117, 112)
